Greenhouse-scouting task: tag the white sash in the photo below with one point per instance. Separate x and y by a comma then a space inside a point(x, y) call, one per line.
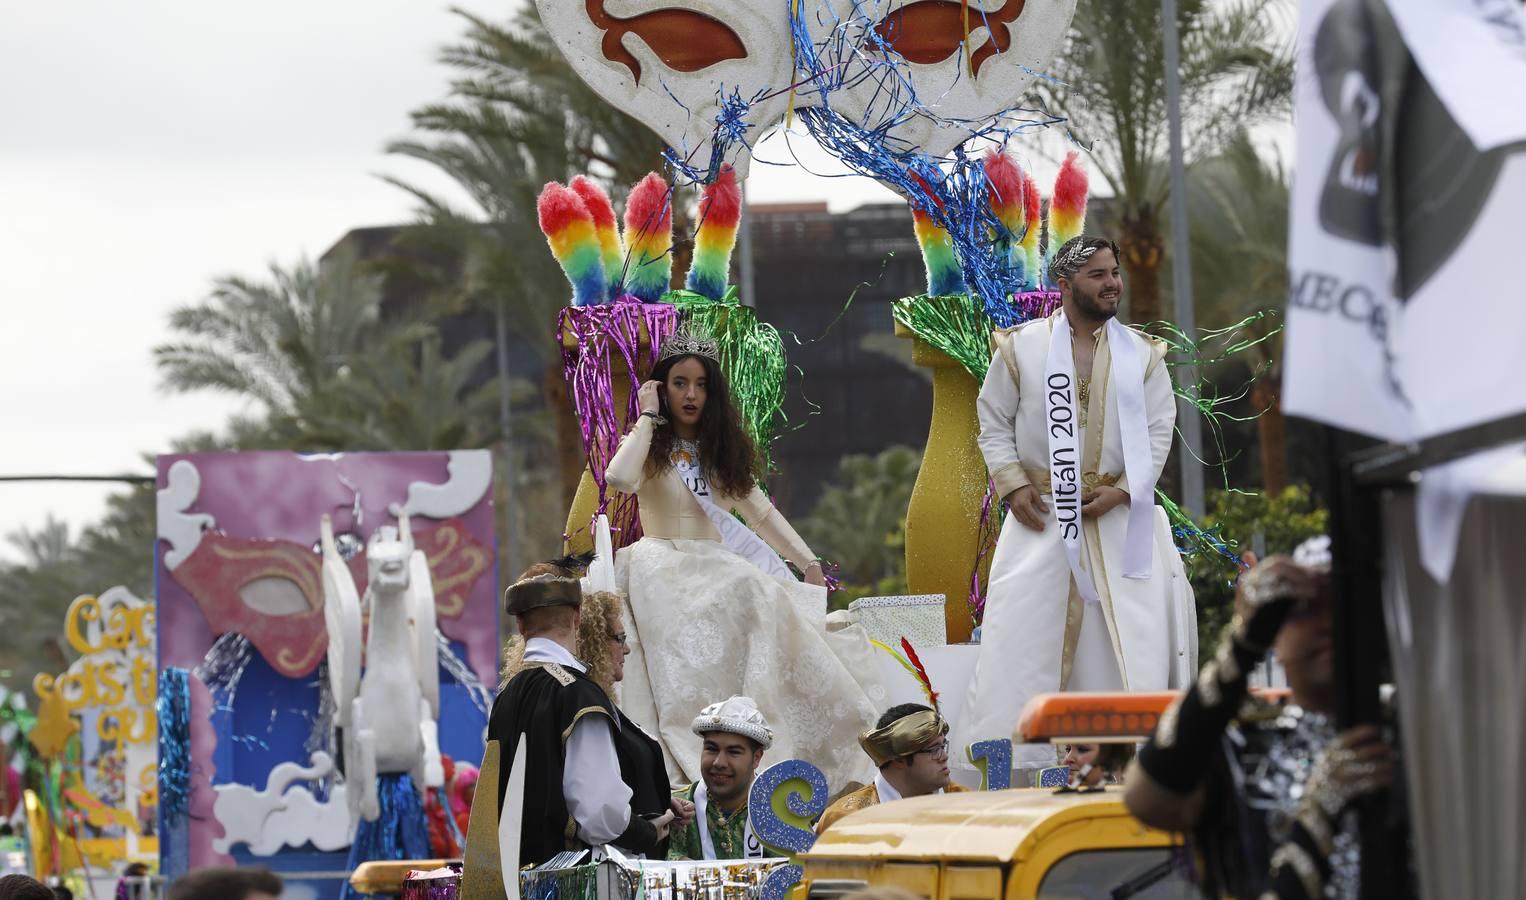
point(736, 537)
point(1134, 431)
point(752, 847)
point(1064, 425)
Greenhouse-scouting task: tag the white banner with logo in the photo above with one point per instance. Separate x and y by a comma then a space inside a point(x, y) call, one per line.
point(1473, 52)
point(1406, 309)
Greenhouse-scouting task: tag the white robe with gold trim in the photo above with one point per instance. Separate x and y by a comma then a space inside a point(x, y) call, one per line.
point(1038, 635)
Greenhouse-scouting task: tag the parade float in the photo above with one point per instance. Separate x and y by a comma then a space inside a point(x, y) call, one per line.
point(327, 628)
point(91, 750)
point(328, 643)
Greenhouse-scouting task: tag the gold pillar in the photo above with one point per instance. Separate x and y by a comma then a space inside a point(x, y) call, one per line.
point(943, 519)
point(586, 500)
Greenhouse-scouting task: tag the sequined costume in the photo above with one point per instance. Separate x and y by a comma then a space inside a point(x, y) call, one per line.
point(1254, 789)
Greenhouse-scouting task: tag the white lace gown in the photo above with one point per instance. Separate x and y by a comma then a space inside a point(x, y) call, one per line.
point(705, 624)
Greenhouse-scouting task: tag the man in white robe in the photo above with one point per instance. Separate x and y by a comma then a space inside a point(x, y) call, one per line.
point(1076, 417)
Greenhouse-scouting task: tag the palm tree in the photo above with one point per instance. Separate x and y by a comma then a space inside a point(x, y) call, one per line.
point(859, 522)
point(1236, 71)
point(312, 348)
point(1238, 206)
point(278, 342)
point(518, 117)
point(406, 395)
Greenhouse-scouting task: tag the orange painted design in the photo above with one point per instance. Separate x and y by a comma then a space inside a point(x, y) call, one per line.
point(931, 31)
point(685, 41)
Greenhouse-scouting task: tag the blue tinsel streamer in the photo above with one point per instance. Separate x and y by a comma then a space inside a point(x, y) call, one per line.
point(399, 832)
point(174, 713)
point(952, 191)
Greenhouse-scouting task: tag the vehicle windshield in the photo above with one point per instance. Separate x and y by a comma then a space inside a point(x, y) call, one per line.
point(1140, 874)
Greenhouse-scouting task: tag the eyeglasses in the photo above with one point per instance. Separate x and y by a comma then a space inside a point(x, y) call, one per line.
point(937, 750)
point(620, 639)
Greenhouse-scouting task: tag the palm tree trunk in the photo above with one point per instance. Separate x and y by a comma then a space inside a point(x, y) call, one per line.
point(1144, 250)
point(1267, 401)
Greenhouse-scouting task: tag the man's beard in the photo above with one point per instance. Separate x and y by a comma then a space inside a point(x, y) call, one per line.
point(1091, 307)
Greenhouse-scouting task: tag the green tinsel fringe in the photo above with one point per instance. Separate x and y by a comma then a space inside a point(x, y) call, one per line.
point(752, 356)
point(955, 324)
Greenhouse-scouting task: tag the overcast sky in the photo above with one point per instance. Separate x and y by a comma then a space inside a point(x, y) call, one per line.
point(148, 147)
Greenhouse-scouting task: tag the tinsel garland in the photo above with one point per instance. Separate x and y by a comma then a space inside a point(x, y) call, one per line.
point(173, 709)
point(592, 338)
point(1035, 304)
point(223, 667)
point(463, 675)
point(432, 888)
point(320, 731)
point(399, 832)
point(752, 356)
point(993, 511)
point(953, 324)
point(958, 325)
point(575, 883)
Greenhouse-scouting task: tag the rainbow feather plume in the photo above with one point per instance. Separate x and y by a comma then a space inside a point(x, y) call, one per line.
point(569, 229)
point(943, 274)
point(1032, 260)
point(649, 239)
point(1067, 205)
point(719, 212)
point(1004, 181)
point(606, 226)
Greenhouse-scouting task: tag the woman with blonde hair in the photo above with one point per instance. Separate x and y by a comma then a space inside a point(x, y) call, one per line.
point(602, 647)
point(601, 642)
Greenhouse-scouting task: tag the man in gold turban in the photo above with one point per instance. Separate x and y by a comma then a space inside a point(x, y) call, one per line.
point(910, 746)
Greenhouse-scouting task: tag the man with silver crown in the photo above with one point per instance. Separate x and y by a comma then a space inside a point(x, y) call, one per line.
point(1087, 592)
point(733, 735)
point(714, 608)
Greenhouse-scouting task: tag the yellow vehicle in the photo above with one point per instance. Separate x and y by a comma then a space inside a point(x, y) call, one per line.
point(1013, 844)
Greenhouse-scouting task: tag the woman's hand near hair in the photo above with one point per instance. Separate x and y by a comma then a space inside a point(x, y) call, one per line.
point(650, 396)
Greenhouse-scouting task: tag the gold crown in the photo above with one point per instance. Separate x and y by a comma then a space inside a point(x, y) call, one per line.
point(688, 343)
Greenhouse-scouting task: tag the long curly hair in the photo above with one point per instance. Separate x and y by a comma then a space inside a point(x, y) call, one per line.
point(601, 612)
point(726, 450)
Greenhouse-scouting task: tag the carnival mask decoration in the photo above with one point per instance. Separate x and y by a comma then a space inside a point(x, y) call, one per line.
point(674, 65)
point(966, 61)
point(271, 590)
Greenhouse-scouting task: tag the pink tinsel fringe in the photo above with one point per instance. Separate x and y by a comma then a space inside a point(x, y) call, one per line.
point(1036, 304)
point(603, 334)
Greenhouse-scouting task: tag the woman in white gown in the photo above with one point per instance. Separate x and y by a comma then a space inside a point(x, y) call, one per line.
point(714, 612)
